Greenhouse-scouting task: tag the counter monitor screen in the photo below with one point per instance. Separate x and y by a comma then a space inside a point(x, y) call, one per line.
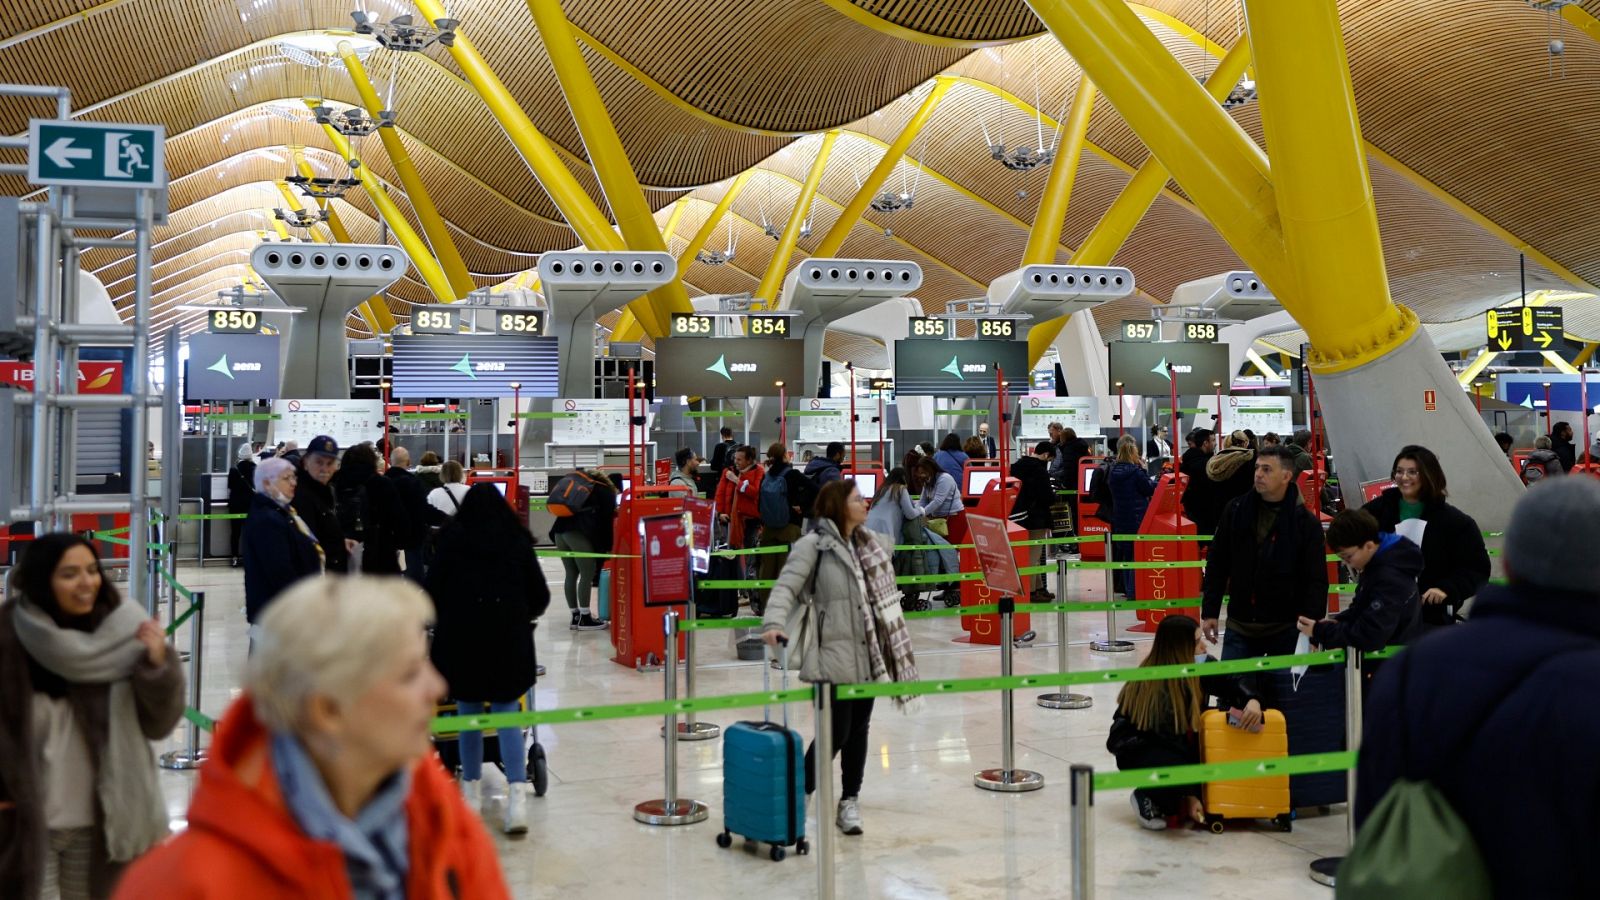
point(980, 479)
point(866, 483)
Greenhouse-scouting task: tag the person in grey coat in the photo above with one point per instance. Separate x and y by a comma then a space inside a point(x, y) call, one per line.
point(837, 598)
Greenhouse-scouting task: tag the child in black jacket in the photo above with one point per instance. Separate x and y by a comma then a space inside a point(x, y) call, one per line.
point(1386, 608)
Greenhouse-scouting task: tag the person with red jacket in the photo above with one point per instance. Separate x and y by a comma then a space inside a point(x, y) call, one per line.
point(746, 503)
point(322, 781)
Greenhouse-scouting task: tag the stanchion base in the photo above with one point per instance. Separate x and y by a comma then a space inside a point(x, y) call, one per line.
point(1065, 701)
point(182, 760)
point(1323, 870)
point(679, 812)
point(1010, 781)
point(697, 731)
point(1111, 646)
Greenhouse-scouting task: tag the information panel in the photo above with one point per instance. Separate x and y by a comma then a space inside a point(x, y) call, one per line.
point(1142, 368)
point(592, 421)
point(665, 540)
point(823, 420)
point(1260, 414)
point(232, 367)
point(475, 365)
point(1040, 408)
point(956, 368)
point(998, 563)
point(731, 367)
point(348, 422)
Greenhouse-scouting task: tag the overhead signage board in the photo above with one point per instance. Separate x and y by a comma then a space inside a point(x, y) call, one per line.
point(1525, 328)
point(731, 367)
point(348, 422)
point(476, 365)
point(1200, 332)
point(1139, 331)
point(233, 321)
point(1041, 408)
point(592, 422)
point(1143, 369)
point(956, 368)
point(823, 420)
point(769, 325)
point(94, 376)
point(435, 319)
point(232, 367)
point(96, 154)
point(923, 328)
point(519, 321)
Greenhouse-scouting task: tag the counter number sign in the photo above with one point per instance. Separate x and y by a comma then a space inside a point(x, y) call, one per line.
point(929, 328)
point(1200, 332)
point(1138, 331)
point(233, 321)
point(767, 325)
point(691, 325)
point(519, 321)
point(435, 321)
point(1001, 329)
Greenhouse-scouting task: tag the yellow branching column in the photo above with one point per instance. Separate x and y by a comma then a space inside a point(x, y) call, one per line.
point(772, 279)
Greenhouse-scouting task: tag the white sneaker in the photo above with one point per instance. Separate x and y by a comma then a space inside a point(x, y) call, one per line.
point(472, 793)
point(1149, 819)
point(850, 815)
point(516, 820)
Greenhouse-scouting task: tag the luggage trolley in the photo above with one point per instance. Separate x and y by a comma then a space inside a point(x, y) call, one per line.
point(449, 748)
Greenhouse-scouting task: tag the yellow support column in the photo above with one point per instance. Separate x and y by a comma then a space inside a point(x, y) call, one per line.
point(1119, 220)
point(1328, 215)
point(410, 241)
point(1045, 236)
point(852, 212)
point(673, 218)
point(772, 279)
point(375, 310)
point(433, 227)
point(709, 226)
point(1210, 155)
point(634, 217)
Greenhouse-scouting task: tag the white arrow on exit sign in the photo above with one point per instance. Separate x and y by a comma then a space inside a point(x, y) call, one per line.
point(62, 153)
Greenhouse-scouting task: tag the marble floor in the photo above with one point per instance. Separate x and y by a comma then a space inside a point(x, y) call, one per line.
point(929, 832)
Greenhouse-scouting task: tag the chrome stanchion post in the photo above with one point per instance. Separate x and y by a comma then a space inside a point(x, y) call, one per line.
point(1324, 871)
point(1111, 644)
point(1063, 699)
point(689, 729)
point(1082, 832)
point(823, 754)
point(1008, 777)
point(192, 756)
point(670, 810)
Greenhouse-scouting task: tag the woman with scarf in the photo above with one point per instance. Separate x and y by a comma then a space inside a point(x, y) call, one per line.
point(322, 780)
point(848, 627)
point(86, 682)
point(279, 548)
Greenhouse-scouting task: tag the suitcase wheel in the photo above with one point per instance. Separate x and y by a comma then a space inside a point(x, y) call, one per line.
point(951, 598)
point(778, 853)
point(757, 606)
point(725, 840)
point(1285, 822)
point(1216, 824)
point(802, 847)
point(539, 769)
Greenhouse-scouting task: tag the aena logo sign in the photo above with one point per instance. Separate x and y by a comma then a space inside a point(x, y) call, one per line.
point(960, 370)
point(467, 367)
point(724, 368)
point(1166, 372)
point(222, 367)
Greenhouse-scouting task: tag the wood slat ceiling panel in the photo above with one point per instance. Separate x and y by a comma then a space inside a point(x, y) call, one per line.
point(966, 20)
point(94, 261)
point(18, 16)
point(815, 68)
point(119, 279)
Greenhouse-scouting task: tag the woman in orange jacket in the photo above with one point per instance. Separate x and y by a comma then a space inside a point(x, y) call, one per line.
point(322, 782)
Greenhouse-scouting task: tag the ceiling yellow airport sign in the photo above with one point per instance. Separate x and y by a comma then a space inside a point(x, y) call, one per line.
point(1525, 329)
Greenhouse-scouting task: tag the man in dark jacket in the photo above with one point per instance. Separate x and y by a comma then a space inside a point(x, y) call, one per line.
point(413, 498)
point(1268, 558)
point(1498, 714)
point(369, 510)
point(826, 469)
point(1033, 503)
point(1193, 466)
point(722, 454)
point(1561, 445)
point(1070, 450)
point(1386, 608)
point(1299, 444)
point(313, 500)
point(800, 493)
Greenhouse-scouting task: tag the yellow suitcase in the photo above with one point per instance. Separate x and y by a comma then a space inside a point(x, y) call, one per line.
point(1254, 798)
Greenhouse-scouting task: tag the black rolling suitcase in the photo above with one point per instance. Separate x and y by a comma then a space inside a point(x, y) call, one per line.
point(717, 603)
point(1314, 715)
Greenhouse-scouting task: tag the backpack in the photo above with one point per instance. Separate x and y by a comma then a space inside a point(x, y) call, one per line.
point(1100, 492)
point(1533, 471)
point(571, 494)
point(773, 501)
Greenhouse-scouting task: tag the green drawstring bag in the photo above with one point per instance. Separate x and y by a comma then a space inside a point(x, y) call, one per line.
point(1413, 845)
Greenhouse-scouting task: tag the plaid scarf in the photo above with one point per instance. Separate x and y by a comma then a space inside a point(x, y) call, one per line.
point(888, 638)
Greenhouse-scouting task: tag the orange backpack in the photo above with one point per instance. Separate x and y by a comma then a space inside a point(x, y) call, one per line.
point(571, 494)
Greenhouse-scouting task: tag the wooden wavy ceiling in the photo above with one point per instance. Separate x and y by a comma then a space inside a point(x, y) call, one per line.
point(1463, 95)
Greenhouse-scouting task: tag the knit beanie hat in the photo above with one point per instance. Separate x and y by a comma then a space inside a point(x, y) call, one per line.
point(1553, 532)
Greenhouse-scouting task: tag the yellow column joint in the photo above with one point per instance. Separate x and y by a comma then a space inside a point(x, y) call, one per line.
point(1477, 365)
point(433, 226)
point(634, 217)
point(1120, 219)
point(673, 218)
point(410, 241)
point(772, 279)
point(1586, 354)
point(896, 151)
point(1045, 236)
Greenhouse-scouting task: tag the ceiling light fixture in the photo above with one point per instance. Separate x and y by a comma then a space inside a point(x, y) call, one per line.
point(892, 201)
point(1021, 158)
point(301, 218)
point(403, 35)
point(320, 188)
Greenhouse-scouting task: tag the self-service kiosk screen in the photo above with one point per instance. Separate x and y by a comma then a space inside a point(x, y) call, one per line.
point(980, 479)
point(866, 483)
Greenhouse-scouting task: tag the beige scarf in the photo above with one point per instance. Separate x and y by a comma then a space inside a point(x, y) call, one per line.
point(888, 638)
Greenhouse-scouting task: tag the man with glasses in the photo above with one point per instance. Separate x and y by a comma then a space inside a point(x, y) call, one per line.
point(313, 500)
point(1268, 558)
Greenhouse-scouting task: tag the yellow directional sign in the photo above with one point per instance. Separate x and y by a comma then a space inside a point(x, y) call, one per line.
point(1524, 328)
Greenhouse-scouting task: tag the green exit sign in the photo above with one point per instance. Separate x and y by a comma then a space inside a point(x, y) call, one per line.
point(96, 154)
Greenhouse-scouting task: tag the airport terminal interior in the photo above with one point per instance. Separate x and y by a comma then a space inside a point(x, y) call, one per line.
point(1045, 281)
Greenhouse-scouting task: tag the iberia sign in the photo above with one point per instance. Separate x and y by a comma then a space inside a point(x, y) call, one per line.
point(94, 376)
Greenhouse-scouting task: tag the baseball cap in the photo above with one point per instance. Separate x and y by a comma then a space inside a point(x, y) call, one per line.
point(323, 444)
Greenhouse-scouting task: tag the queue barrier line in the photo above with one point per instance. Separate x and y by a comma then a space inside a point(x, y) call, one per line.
point(113, 539)
point(1239, 770)
point(525, 719)
point(194, 607)
point(1123, 566)
point(176, 585)
point(210, 517)
point(578, 554)
point(201, 720)
point(1069, 606)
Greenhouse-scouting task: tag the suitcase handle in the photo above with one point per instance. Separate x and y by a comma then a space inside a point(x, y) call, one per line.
point(766, 680)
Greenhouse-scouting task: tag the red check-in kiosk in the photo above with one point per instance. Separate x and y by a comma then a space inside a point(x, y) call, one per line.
point(1086, 521)
point(636, 629)
point(1165, 516)
point(985, 629)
